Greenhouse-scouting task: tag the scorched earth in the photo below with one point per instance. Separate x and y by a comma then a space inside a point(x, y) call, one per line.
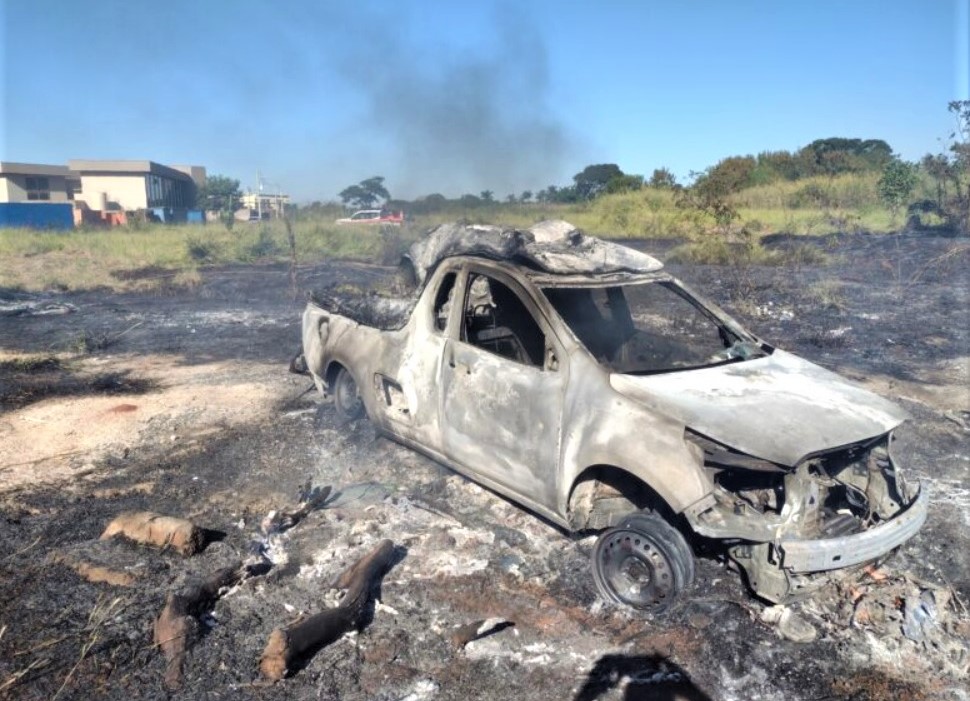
point(179, 402)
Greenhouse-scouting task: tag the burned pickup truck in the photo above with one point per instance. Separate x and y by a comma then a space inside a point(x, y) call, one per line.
point(577, 378)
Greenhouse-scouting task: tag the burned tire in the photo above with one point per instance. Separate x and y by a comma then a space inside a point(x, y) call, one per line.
point(346, 396)
point(298, 364)
point(674, 539)
point(644, 563)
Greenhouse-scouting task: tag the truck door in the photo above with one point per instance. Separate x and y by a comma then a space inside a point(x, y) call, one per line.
point(411, 397)
point(502, 390)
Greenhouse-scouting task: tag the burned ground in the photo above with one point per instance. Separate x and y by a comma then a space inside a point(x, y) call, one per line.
point(198, 418)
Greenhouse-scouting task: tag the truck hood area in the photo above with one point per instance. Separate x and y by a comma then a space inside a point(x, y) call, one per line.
point(779, 408)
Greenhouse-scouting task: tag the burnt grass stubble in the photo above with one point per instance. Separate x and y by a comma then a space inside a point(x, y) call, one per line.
point(890, 313)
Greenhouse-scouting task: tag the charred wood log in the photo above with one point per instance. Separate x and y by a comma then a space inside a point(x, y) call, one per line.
point(148, 528)
point(476, 630)
point(301, 640)
point(177, 624)
point(279, 521)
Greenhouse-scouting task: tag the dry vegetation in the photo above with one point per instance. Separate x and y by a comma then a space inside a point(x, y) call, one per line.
point(153, 256)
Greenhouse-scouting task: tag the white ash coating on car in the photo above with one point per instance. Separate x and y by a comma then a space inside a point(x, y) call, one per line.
point(551, 246)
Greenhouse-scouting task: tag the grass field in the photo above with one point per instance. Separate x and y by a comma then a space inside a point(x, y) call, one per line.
point(171, 254)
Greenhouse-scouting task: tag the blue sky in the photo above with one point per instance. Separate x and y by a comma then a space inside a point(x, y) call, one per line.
point(456, 97)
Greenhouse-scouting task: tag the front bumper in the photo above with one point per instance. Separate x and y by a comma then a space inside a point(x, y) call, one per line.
point(835, 553)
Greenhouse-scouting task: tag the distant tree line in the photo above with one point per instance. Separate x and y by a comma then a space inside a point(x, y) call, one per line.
point(711, 189)
point(830, 157)
point(826, 157)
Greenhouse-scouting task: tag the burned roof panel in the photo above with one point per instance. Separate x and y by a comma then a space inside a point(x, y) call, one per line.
point(552, 246)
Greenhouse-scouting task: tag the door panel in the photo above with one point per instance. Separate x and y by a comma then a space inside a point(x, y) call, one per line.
point(412, 401)
point(501, 405)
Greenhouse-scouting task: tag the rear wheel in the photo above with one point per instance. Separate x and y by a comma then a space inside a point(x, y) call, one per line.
point(346, 396)
point(644, 562)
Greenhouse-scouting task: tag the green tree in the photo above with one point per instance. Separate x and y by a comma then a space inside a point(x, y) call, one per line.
point(773, 166)
point(624, 183)
point(897, 184)
point(837, 155)
point(487, 196)
point(525, 196)
point(939, 168)
point(219, 193)
point(564, 195)
point(558, 195)
point(726, 177)
point(958, 210)
point(662, 179)
point(366, 194)
point(593, 180)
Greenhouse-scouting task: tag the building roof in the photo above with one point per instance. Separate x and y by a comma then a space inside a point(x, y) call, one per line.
point(10, 168)
point(197, 173)
point(88, 167)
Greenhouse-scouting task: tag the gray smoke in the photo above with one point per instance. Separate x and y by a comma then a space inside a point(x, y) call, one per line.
point(460, 121)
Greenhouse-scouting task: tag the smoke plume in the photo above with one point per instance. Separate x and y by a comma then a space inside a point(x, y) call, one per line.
point(460, 121)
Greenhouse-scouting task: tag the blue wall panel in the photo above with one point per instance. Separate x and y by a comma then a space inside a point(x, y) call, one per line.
point(37, 215)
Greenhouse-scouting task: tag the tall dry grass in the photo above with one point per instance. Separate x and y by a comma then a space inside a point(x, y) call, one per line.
point(90, 258)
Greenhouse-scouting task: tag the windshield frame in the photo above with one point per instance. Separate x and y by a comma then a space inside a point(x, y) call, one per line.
point(723, 321)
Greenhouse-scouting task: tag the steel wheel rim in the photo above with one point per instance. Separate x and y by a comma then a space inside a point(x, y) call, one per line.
point(635, 570)
point(348, 396)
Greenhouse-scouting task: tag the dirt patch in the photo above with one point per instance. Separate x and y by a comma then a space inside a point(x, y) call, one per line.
point(222, 435)
point(25, 381)
point(187, 403)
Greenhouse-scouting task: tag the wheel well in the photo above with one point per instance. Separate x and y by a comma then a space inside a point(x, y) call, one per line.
point(603, 494)
point(331, 374)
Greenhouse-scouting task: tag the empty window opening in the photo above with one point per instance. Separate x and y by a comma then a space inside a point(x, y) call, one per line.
point(496, 320)
point(646, 328)
point(442, 301)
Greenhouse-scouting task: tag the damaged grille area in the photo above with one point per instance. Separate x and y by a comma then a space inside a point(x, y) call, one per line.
point(776, 521)
point(832, 494)
point(861, 484)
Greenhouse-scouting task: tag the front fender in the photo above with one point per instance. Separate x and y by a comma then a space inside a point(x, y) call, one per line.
point(620, 432)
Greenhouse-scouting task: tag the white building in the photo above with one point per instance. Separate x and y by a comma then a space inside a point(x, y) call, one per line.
point(136, 185)
point(35, 182)
point(262, 202)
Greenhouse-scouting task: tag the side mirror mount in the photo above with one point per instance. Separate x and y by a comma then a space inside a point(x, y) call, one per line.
point(552, 362)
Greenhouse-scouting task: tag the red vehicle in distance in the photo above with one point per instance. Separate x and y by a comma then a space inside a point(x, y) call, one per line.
point(374, 216)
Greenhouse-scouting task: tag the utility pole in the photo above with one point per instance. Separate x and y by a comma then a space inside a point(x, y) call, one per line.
point(259, 196)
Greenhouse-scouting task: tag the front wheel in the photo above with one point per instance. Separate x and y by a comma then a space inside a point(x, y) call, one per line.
point(644, 562)
point(346, 396)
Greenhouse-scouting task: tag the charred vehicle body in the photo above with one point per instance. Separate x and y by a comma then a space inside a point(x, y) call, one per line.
point(579, 379)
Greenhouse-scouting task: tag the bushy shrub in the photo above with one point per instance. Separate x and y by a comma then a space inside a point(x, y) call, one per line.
point(264, 246)
point(201, 250)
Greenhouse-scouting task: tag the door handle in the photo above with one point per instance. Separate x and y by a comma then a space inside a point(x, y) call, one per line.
point(457, 366)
